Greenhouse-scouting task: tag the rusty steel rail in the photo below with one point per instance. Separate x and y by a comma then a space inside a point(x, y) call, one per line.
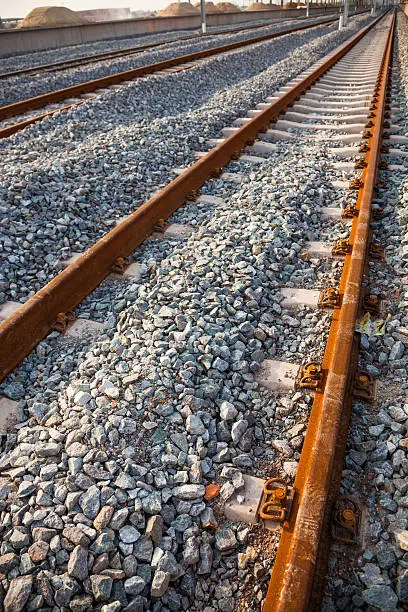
point(17, 108)
point(305, 539)
point(97, 57)
point(17, 127)
point(28, 325)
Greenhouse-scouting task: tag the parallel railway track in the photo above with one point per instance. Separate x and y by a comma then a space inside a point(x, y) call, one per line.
point(97, 57)
point(24, 106)
point(347, 97)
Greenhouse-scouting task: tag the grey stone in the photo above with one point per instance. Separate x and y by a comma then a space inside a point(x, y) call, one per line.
point(397, 351)
point(381, 597)
point(47, 449)
point(129, 534)
point(225, 540)
point(90, 502)
point(168, 564)
point(191, 552)
point(194, 425)
point(19, 539)
point(129, 566)
point(189, 491)
point(134, 585)
point(238, 429)
point(78, 563)
point(143, 549)
point(125, 481)
point(228, 412)
point(152, 503)
point(101, 587)
point(206, 559)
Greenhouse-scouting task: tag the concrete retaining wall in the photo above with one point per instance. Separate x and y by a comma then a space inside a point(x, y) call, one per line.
point(35, 39)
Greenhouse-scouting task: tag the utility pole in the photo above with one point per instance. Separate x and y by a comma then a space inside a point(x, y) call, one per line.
point(307, 7)
point(346, 12)
point(203, 21)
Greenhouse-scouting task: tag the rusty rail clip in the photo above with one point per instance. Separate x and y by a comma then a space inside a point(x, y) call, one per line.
point(372, 303)
point(342, 247)
point(160, 226)
point(120, 265)
point(378, 212)
point(310, 376)
point(383, 164)
point(276, 501)
point(63, 321)
point(369, 124)
point(356, 183)
point(192, 195)
point(329, 298)
point(376, 250)
point(360, 163)
point(364, 386)
point(346, 520)
point(349, 211)
point(216, 173)
point(366, 134)
point(364, 148)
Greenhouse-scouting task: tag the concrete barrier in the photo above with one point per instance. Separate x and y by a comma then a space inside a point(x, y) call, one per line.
point(24, 40)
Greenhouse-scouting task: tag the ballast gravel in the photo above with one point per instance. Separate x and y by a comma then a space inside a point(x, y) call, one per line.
point(64, 182)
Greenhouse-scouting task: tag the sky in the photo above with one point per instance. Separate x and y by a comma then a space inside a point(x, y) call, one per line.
point(20, 8)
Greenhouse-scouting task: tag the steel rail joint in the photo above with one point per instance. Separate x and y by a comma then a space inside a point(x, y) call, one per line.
point(28, 325)
point(293, 574)
point(58, 95)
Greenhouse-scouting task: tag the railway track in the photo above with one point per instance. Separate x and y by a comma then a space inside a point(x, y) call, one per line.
point(336, 111)
point(97, 57)
point(76, 93)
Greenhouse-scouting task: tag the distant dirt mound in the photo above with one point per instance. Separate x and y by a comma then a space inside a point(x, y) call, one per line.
point(178, 9)
point(210, 8)
point(260, 6)
point(51, 16)
point(227, 7)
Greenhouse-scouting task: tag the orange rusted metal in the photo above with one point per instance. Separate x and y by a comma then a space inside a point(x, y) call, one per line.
point(277, 499)
point(28, 325)
point(300, 549)
point(17, 108)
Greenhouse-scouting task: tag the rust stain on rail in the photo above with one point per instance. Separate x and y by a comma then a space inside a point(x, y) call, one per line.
point(294, 574)
point(28, 325)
